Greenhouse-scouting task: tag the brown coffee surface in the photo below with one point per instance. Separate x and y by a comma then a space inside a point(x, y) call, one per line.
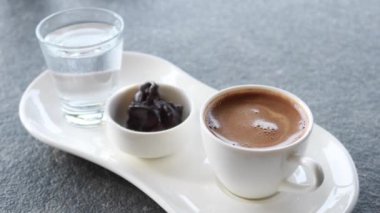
point(255, 119)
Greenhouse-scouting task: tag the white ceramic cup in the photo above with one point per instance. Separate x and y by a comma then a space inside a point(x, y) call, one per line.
point(256, 173)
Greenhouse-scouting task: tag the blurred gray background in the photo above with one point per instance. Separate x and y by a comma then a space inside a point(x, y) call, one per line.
point(326, 52)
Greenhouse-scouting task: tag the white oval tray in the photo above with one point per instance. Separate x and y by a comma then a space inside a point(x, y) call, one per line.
point(184, 182)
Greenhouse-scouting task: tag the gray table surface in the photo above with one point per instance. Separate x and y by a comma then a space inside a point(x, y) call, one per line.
point(326, 52)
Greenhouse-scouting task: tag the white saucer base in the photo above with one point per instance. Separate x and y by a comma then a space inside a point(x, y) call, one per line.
point(184, 182)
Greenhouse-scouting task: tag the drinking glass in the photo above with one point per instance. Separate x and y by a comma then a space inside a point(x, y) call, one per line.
point(82, 48)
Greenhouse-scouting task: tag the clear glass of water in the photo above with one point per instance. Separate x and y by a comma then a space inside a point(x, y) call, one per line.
point(83, 51)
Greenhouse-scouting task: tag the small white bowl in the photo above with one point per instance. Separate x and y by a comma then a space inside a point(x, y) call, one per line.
point(146, 144)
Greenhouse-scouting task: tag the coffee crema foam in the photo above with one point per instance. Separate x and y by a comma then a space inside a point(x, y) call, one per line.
point(256, 119)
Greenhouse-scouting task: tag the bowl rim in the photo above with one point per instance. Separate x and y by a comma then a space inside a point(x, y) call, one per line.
point(124, 90)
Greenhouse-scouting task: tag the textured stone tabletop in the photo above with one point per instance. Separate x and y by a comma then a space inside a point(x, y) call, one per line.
point(326, 52)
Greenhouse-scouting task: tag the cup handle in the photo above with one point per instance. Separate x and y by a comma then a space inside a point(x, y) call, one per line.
point(313, 171)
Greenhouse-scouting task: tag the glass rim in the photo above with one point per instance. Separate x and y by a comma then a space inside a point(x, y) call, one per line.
point(44, 20)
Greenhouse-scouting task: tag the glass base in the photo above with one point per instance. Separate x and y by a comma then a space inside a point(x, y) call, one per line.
point(84, 116)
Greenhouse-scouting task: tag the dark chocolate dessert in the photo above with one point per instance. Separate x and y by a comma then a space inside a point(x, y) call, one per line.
point(148, 112)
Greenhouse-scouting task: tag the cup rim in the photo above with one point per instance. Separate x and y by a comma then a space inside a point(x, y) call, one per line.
point(40, 24)
point(122, 91)
point(295, 98)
